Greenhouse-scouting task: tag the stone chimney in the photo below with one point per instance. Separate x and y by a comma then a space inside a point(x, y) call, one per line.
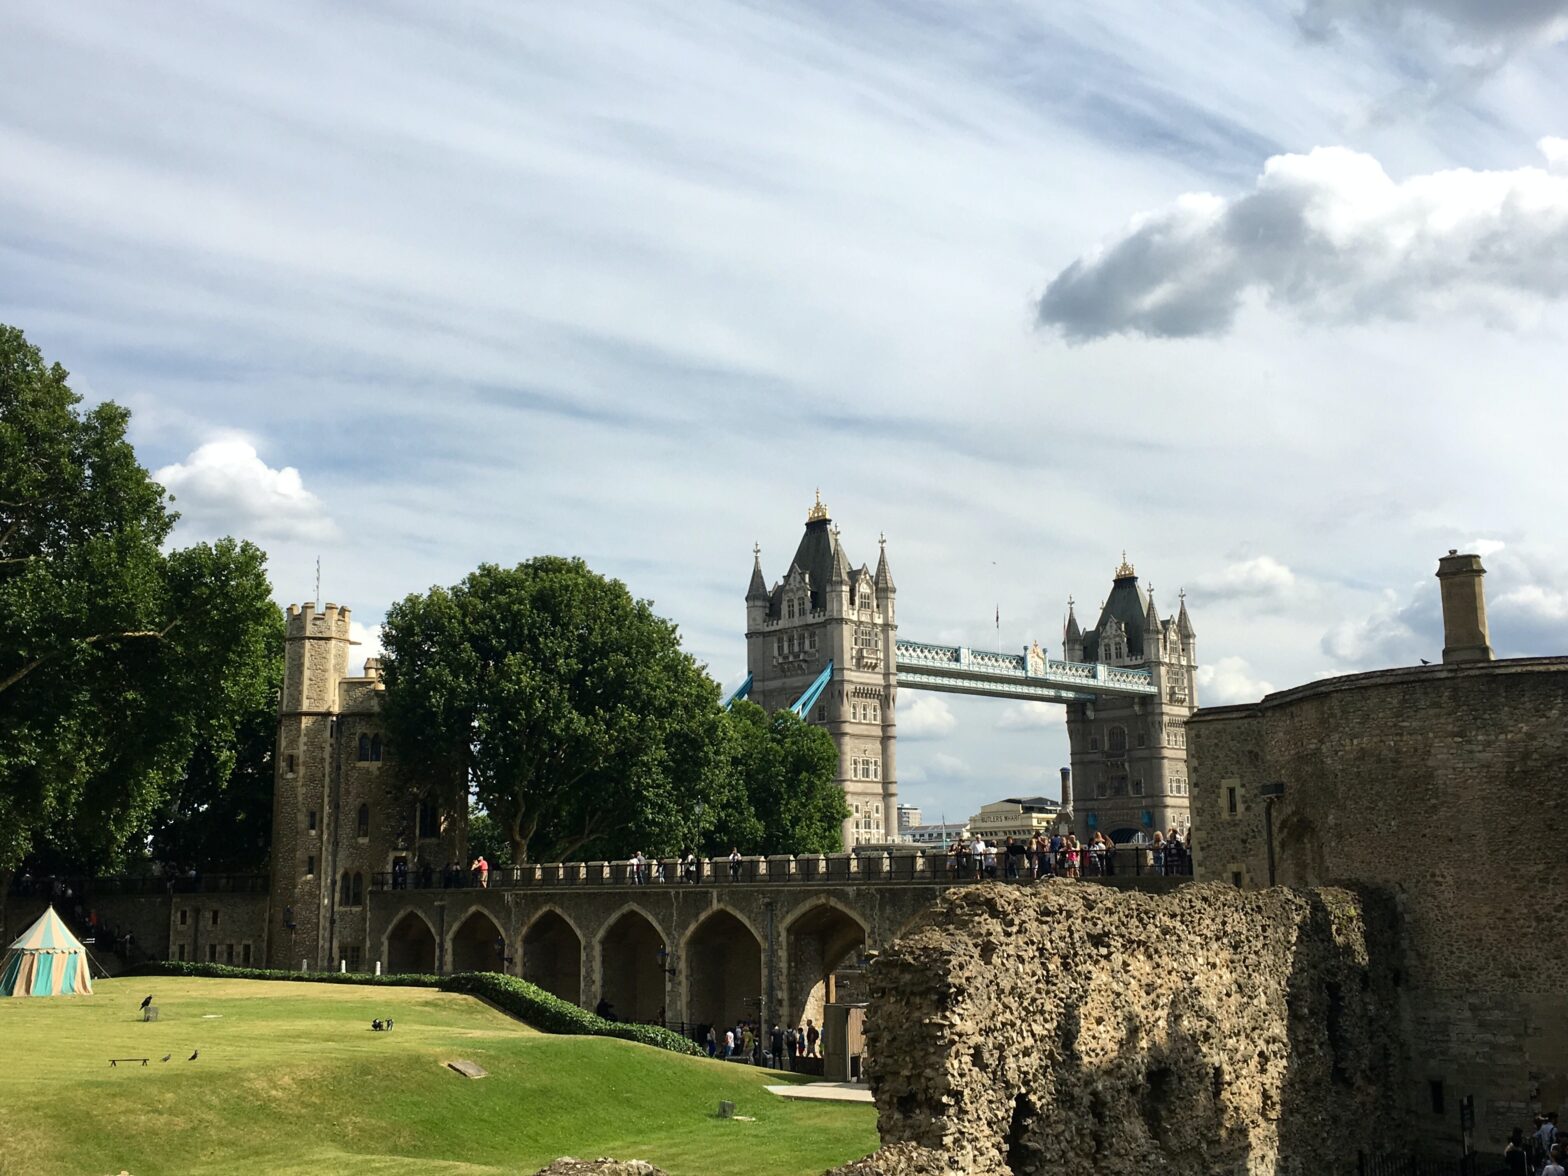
point(1464, 608)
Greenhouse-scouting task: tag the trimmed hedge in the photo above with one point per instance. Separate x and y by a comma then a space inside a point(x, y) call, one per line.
point(518, 998)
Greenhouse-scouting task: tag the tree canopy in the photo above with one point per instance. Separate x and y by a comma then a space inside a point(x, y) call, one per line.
point(566, 707)
point(119, 660)
point(783, 795)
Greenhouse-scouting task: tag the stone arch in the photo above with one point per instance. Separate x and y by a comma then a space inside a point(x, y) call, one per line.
point(721, 958)
point(820, 937)
point(632, 975)
point(410, 943)
point(472, 944)
point(553, 954)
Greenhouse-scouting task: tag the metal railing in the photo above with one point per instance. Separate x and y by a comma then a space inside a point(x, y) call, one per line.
point(876, 867)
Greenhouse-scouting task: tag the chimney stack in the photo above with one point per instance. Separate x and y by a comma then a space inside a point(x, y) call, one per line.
point(1464, 608)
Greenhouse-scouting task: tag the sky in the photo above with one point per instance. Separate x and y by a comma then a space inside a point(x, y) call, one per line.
point(1271, 295)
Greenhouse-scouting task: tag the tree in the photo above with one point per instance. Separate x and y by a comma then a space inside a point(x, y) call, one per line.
point(566, 709)
point(118, 659)
point(783, 795)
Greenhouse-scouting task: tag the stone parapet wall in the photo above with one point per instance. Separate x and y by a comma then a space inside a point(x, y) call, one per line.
point(1061, 1028)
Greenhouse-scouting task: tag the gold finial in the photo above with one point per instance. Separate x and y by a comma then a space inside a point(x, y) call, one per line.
point(819, 512)
point(1126, 568)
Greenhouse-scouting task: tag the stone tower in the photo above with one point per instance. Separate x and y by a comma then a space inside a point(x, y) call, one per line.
point(316, 648)
point(1129, 754)
point(824, 610)
point(342, 813)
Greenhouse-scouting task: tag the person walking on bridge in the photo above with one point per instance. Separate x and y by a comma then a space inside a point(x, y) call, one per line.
point(734, 863)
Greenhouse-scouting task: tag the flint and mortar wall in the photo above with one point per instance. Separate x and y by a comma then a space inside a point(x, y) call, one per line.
point(1445, 785)
point(1065, 1028)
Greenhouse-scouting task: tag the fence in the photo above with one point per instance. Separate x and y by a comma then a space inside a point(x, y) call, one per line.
point(879, 866)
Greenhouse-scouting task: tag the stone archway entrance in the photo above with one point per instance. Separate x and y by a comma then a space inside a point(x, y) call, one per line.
point(411, 945)
point(818, 943)
point(478, 945)
point(723, 965)
point(631, 973)
point(553, 957)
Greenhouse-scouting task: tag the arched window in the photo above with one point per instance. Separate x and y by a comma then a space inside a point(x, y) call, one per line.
point(364, 748)
point(429, 821)
point(362, 828)
point(346, 890)
point(1117, 739)
point(359, 890)
point(375, 748)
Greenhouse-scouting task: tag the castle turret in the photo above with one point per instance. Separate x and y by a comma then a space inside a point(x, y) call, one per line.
point(885, 588)
point(756, 592)
point(1072, 636)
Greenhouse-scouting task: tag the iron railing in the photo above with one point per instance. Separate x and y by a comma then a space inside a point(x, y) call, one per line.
point(877, 867)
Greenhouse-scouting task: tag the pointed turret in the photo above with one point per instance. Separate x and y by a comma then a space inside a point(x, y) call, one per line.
point(884, 576)
point(758, 590)
point(840, 574)
point(1151, 617)
point(1183, 621)
point(1072, 636)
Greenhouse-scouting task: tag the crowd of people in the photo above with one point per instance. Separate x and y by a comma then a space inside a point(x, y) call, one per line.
point(1543, 1153)
point(781, 1050)
point(1063, 855)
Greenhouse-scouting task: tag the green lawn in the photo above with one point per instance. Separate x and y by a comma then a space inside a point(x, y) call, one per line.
point(292, 1080)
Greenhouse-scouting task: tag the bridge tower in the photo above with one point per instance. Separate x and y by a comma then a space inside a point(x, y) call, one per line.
point(824, 610)
point(1129, 754)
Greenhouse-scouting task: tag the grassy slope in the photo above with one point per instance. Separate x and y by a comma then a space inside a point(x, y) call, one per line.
point(290, 1079)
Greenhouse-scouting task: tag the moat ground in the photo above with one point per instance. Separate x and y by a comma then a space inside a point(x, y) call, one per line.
point(291, 1079)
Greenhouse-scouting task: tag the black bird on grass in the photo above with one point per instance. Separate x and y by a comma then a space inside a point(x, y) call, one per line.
point(192, 1058)
point(166, 1057)
point(148, 1001)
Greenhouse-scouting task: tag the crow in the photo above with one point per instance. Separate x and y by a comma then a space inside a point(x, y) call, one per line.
point(192, 1058)
point(1425, 662)
point(166, 1057)
point(148, 1001)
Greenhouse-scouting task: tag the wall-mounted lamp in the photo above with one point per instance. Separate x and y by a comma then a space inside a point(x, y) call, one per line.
point(663, 957)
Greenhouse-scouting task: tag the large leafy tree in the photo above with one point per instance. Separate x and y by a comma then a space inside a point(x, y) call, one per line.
point(782, 795)
point(119, 660)
point(565, 707)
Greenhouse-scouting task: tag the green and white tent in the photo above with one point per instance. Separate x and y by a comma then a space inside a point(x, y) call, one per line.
point(46, 960)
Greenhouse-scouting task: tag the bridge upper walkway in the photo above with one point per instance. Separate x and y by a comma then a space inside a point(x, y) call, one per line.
point(957, 669)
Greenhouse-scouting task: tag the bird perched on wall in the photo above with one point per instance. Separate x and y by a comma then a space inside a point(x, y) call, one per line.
point(148, 1001)
point(1425, 662)
point(192, 1058)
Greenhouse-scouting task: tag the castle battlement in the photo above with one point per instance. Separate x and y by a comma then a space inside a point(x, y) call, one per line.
point(302, 620)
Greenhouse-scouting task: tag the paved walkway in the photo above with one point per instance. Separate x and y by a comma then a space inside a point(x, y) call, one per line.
point(856, 1092)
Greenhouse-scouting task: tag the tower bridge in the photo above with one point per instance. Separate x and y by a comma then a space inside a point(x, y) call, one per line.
point(823, 641)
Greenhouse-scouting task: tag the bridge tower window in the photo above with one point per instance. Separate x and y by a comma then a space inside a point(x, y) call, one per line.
point(1116, 740)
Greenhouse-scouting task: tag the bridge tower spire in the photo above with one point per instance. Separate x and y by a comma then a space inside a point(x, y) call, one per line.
point(826, 610)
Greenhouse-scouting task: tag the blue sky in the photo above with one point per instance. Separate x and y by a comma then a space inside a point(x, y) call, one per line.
point(1269, 295)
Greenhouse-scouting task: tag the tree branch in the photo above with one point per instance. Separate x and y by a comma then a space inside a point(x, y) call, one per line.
point(156, 634)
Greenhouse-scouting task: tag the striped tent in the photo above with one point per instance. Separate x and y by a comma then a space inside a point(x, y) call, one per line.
point(47, 960)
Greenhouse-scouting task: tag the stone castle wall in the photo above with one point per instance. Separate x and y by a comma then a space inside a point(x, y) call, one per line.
point(1066, 1028)
point(1444, 784)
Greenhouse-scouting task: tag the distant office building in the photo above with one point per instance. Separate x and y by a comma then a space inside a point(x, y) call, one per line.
point(1018, 816)
point(908, 817)
point(941, 835)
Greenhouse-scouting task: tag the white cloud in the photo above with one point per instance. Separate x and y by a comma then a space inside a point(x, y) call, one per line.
point(927, 717)
point(225, 487)
point(1331, 237)
point(1262, 577)
point(367, 639)
point(1228, 680)
point(1029, 716)
point(950, 766)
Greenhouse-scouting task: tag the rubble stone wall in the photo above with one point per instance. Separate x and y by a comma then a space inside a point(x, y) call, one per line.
point(1068, 1028)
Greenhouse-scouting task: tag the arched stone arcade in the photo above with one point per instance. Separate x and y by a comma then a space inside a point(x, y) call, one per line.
point(411, 944)
point(477, 944)
point(553, 956)
point(722, 961)
point(631, 973)
point(818, 941)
